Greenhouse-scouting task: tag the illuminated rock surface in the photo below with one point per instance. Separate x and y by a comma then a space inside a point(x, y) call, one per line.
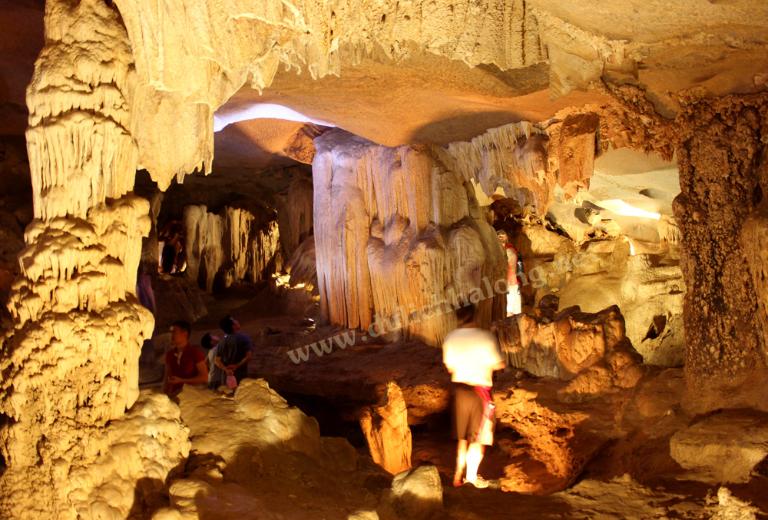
point(450, 114)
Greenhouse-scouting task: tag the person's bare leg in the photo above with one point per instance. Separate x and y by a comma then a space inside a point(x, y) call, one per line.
point(461, 462)
point(473, 457)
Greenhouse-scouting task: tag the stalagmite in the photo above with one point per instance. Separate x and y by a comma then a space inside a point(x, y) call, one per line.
point(387, 433)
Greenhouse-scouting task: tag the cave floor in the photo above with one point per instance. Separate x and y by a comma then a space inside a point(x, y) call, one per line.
point(332, 386)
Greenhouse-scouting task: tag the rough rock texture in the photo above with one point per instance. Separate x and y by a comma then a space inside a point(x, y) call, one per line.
point(648, 288)
point(229, 247)
point(70, 358)
point(195, 61)
point(416, 494)
point(722, 448)
point(398, 237)
point(721, 155)
point(294, 213)
point(254, 454)
point(569, 343)
point(118, 469)
point(565, 425)
point(257, 417)
point(352, 377)
point(387, 433)
point(576, 151)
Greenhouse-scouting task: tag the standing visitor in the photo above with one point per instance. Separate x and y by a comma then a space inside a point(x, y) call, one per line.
point(471, 355)
point(234, 351)
point(514, 301)
point(210, 344)
point(184, 363)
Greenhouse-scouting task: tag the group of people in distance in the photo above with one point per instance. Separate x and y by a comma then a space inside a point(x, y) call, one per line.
point(224, 362)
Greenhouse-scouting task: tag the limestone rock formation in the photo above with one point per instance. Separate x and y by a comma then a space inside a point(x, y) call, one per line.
point(722, 448)
point(576, 151)
point(569, 345)
point(294, 214)
point(647, 287)
point(254, 452)
point(229, 247)
point(387, 433)
point(725, 348)
point(416, 494)
point(70, 359)
point(121, 469)
point(399, 238)
point(125, 85)
point(256, 417)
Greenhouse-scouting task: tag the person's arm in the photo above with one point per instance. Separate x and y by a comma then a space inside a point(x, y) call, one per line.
point(217, 361)
point(202, 374)
point(245, 360)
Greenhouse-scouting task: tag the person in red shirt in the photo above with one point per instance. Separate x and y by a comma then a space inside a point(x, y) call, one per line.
point(185, 364)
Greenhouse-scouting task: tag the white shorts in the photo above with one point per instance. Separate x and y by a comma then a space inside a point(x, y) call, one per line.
point(514, 301)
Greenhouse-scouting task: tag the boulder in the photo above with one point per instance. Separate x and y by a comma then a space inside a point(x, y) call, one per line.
point(722, 448)
point(253, 453)
point(256, 418)
point(571, 345)
point(415, 494)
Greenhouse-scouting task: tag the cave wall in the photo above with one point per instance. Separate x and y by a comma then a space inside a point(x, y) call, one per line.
point(722, 161)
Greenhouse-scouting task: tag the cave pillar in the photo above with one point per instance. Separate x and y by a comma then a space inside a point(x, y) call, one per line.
point(721, 211)
point(69, 359)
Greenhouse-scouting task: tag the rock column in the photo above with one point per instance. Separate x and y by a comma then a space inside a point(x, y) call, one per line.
point(720, 211)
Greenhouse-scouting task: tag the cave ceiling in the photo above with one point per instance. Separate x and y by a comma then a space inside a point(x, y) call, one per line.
point(563, 56)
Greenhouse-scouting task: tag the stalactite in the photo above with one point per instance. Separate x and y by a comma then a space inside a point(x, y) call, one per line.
point(512, 159)
point(230, 247)
point(190, 61)
point(410, 243)
point(294, 213)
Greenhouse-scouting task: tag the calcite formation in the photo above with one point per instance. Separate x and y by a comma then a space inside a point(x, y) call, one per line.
point(70, 359)
point(229, 247)
point(722, 448)
point(420, 203)
point(398, 230)
point(386, 430)
point(252, 453)
point(398, 236)
point(591, 350)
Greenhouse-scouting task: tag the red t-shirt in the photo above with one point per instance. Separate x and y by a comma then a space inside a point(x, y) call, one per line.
point(183, 365)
